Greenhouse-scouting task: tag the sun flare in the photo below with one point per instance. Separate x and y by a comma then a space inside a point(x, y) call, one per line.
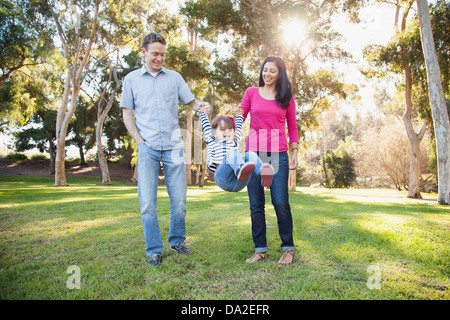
point(294, 32)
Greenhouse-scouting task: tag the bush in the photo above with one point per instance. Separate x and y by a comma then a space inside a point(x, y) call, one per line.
point(338, 171)
point(16, 156)
point(39, 157)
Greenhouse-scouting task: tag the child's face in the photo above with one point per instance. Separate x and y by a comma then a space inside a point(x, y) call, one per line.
point(223, 133)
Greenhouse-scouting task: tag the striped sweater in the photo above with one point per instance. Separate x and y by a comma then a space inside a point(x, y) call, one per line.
point(216, 149)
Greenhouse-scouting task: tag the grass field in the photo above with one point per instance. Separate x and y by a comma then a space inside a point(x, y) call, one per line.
point(350, 244)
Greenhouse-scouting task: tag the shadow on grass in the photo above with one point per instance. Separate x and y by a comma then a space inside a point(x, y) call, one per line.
point(45, 229)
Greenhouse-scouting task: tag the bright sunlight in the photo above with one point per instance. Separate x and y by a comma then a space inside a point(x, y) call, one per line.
point(294, 32)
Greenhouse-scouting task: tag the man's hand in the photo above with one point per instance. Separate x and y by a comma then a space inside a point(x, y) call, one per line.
point(237, 111)
point(200, 105)
point(204, 107)
point(131, 126)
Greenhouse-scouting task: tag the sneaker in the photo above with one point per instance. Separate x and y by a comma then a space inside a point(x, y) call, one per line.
point(181, 248)
point(154, 260)
point(245, 171)
point(266, 174)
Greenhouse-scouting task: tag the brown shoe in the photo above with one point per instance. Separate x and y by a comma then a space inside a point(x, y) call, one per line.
point(257, 257)
point(287, 257)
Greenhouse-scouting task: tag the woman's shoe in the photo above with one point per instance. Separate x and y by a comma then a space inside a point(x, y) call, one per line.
point(287, 257)
point(266, 172)
point(257, 257)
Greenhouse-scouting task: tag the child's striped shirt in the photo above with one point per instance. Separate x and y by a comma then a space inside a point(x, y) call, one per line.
point(216, 149)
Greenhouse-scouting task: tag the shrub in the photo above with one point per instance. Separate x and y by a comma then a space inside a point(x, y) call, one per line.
point(338, 171)
point(16, 156)
point(39, 157)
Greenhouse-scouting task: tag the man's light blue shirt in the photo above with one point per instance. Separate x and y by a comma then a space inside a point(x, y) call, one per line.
point(155, 104)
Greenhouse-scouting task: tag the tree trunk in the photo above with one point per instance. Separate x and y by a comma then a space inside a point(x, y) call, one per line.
point(81, 151)
point(414, 140)
point(61, 132)
point(101, 116)
point(414, 168)
point(135, 177)
point(292, 179)
point(52, 156)
point(76, 62)
point(60, 168)
point(106, 179)
point(437, 103)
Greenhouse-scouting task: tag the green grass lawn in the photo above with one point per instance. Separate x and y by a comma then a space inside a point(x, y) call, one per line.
point(341, 237)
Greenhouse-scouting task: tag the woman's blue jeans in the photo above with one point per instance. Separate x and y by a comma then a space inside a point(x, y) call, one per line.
point(280, 200)
point(149, 162)
point(225, 175)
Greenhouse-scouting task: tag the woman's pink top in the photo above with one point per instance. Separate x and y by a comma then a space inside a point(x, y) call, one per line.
point(267, 122)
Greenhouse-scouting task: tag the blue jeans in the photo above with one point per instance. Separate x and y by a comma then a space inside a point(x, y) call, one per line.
point(225, 176)
point(280, 200)
point(149, 161)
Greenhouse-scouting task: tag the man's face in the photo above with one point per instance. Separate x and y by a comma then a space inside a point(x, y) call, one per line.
point(154, 56)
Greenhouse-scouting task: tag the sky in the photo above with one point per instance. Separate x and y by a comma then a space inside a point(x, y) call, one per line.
point(376, 27)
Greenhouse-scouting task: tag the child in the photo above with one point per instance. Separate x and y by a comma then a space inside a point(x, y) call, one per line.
point(231, 172)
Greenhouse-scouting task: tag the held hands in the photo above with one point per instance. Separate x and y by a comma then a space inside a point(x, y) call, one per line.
point(204, 107)
point(237, 111)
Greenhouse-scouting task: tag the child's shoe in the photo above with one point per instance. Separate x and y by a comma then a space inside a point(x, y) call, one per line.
point(266, 174)
point(245, 171)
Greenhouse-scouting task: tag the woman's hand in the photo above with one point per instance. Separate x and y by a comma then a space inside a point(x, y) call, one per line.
point(293, 163)
point(237, 111)
point(294, 158)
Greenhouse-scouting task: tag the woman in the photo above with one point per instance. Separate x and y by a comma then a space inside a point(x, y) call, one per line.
point(271, 105)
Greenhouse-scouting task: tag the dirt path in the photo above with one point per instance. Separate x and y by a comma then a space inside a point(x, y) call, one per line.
point(41, 168)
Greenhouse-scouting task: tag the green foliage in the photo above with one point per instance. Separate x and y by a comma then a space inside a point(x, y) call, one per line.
point(405, 49)
point(24, 47)
point(16, 156)
point(39, 157)
point(338, 170)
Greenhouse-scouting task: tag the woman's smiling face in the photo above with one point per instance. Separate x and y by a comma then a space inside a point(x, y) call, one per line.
point(270, 74)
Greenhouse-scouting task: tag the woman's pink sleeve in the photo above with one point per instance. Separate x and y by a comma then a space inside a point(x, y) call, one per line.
point(245, 104)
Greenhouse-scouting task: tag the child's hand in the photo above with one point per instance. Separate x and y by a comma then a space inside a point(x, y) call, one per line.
point(237, 111)
point(204, 107)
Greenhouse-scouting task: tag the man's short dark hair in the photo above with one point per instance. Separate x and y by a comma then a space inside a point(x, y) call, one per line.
point(152, 37)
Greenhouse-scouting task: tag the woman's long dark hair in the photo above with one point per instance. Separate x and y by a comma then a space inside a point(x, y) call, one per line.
point(283, 85)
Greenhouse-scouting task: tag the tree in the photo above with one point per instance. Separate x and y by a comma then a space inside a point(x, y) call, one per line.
point(103, 107)
point(77, 36)
point(82, 125)
point(339, 170)
point(404, 54)
point(23, 50)
point(437, 102)
point(40, 134)
point(79, 25)
point(121, 25)
point(43, 85)
point(256, 31)
point(402, 57)
point(20, 44)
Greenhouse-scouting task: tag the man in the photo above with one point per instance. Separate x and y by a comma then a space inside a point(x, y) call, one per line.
point(151, 94)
